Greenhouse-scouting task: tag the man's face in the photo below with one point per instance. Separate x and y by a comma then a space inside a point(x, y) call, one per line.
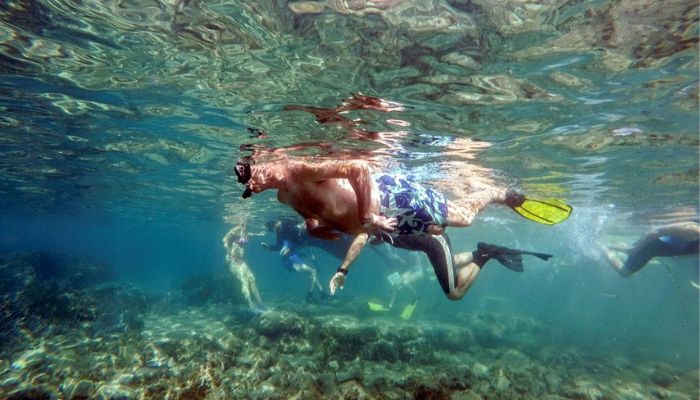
point(244, 173)
point(260, 176)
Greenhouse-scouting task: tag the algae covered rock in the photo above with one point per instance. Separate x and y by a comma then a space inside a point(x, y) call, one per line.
point(663, 375)
point(44, 292)
point(33, 393)
point(274, 324)
point(208, 289)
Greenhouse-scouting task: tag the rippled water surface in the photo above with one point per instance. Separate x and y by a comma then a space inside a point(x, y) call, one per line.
point(124, 105)
point(121, 121)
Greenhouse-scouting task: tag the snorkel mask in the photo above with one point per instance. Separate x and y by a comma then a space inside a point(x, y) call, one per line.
point(243, 174)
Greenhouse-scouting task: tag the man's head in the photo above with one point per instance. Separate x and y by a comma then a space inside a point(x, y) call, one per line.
point(243, 170)
point(243, 174)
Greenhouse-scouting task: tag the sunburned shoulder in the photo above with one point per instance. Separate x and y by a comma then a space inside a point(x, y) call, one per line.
point(326, 169)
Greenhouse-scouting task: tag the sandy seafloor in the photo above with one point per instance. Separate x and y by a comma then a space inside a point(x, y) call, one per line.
point(69, 333)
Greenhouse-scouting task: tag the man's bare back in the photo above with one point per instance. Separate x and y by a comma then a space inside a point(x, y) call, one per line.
point(332, 195)
point(326, 203)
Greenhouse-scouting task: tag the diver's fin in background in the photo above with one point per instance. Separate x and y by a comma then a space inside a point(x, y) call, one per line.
point(407, 312)
point(547, 211)
point(376, 307)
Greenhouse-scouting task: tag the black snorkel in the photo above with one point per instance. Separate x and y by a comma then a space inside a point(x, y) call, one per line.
point(243, 174)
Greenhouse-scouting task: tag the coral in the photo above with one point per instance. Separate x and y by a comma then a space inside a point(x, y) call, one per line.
point(663, 375)
point(43, 293)
point(31, 394)
point(200, 290)
point(274, 324)
point(218, 351)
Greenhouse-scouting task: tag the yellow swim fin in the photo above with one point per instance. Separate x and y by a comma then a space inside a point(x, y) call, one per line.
point(547, 211)
point(376, 307)
point(407, 312)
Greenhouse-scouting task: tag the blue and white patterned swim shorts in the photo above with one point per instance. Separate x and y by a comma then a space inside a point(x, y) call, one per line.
point(415, 206)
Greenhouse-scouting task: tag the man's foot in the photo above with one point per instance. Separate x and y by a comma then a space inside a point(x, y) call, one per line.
point(514, 199)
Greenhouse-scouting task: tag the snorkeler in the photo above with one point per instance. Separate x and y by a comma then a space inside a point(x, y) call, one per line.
point(292, 233)
point(678, 239)
point(291, 239)
point(344, 196)
point(403, 282)
point(234, 243)
point(457, 272)
point(294, 262)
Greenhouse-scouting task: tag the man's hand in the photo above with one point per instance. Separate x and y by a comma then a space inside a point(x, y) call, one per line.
point(380, 223)
point(337, 281)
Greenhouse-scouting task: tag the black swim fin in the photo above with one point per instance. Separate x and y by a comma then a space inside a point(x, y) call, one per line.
point(510, 258)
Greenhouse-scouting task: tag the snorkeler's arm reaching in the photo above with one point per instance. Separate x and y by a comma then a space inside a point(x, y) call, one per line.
point(338, 280)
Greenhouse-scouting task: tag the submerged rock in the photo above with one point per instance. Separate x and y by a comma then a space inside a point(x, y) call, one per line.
point(201, 290)
point(33, 393)
point(274, 324)
point(43, 293)
point(663, 375)
point(83, 389)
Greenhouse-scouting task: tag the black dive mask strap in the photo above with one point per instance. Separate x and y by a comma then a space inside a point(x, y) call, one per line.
point(243, 174)
point(243, 170)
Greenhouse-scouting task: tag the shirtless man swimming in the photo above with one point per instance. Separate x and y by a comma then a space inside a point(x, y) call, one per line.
point(345, 196)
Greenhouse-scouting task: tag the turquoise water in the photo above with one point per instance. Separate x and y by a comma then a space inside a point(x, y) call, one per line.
point(121, 123)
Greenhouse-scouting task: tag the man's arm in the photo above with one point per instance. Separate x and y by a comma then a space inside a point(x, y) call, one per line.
point(356, 246)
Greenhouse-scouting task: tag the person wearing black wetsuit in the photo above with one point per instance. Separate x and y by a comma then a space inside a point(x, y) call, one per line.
point(679, 239)
point(290, 237)
point(293, 232)
point(457, 272)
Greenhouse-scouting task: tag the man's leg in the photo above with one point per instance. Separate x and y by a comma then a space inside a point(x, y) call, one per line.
point(467, 272)
point(462, 213)
point(465, 278)
point(454, 273)
point(245, 285)
point(614, 261)
point(394, 291)
point(312, 273)
point(254, 290)
point(637, 257)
